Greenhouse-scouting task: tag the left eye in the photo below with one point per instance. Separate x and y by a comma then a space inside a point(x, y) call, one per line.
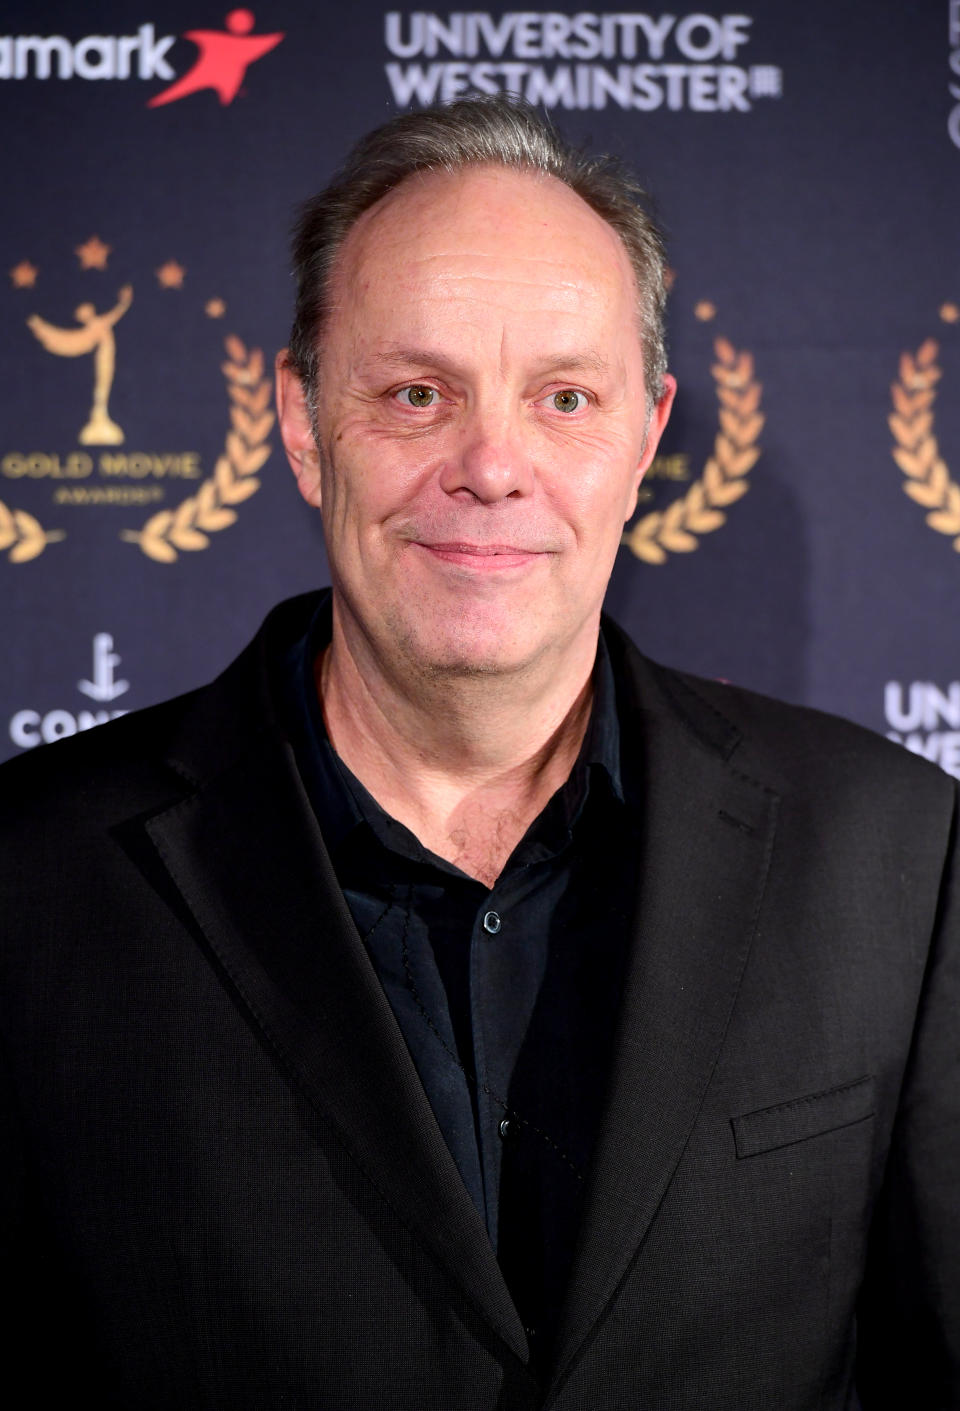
point(568, 400)
point(417, 395)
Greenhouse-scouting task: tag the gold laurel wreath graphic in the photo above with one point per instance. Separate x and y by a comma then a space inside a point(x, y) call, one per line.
point(735, 452)
point(917, 453)
point(234, 476)
point(24, 536)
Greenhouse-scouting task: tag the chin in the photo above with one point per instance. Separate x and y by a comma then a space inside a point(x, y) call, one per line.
point(457, 651)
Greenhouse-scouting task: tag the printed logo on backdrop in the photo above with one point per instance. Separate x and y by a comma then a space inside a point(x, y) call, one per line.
point(670, 522)
point(221, 63)
point(916, 450)
point(93, 454)
point(586, 60)
point(29, 728)
point(926, 719)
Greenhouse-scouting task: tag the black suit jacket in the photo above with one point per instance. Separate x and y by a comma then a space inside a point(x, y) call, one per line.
point(224, 1186)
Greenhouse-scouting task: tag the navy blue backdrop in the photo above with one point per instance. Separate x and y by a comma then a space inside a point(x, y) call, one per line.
point(801, 527)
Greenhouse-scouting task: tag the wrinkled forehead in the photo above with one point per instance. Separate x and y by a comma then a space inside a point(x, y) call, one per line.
point(482, 223)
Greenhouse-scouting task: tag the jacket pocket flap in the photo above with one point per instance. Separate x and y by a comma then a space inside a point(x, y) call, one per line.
point(804, 1117)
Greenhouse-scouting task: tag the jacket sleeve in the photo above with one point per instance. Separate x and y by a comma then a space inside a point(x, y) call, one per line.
point(909, 1314)
point(20, 1255)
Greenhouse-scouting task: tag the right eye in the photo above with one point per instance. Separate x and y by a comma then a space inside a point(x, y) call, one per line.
point(417, 395)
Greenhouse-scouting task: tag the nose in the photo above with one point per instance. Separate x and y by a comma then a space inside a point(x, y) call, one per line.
point(491, 461)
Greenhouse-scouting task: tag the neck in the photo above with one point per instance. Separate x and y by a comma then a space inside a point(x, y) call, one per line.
point(465, 762)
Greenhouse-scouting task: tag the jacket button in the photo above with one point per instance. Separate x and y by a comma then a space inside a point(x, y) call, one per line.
point(492, 923)
point(505, 1128)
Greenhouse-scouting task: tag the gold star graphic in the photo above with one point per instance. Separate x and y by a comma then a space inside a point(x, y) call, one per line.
point(24, 275)
point(93, 253)
point(950, 313)
point(170, 275)
point(215, 308)
point(705, 311)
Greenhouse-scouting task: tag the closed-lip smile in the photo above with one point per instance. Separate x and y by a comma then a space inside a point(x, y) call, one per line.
point(481, 557)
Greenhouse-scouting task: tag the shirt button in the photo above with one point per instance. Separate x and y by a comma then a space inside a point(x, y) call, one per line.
point(492, 923)
point(505, 1128)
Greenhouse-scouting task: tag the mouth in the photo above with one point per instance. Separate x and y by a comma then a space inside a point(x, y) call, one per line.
point(481, 558)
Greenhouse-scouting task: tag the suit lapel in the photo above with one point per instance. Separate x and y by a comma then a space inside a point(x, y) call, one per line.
point(246, 855)
point(707, 837)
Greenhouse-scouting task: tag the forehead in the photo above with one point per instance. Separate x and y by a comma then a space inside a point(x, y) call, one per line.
point(485, 232)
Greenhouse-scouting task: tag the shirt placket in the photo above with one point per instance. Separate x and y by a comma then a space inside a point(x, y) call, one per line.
point(491, 929)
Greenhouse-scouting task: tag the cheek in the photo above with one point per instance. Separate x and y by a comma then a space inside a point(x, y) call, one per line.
point(371, 475)
point(594, 480)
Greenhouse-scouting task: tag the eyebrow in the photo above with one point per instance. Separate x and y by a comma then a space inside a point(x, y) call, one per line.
point(588, 361)
point(577, 362)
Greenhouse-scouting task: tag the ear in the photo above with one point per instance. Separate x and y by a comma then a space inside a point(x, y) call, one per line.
point(295, 429)
point(658, 420)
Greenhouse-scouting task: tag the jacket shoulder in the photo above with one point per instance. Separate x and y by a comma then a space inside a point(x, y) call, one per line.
point(797, 749)
point(152, 756)
point(806, 747)
point(121, 761)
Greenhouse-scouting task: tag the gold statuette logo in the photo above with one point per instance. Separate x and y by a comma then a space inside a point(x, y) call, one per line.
point(95, 335)
point(97, 459)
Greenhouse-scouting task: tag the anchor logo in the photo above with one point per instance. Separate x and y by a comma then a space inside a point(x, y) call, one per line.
point(104, 686)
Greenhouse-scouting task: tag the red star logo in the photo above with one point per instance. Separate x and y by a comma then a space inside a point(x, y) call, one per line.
point(225, 56)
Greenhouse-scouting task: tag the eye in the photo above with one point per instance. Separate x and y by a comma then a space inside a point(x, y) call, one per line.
point(418, 395)
point(568, 400)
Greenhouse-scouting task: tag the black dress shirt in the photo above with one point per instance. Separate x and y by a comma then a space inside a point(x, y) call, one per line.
point(506, 996)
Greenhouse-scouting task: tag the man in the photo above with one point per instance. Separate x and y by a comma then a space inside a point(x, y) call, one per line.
point(449, 1007)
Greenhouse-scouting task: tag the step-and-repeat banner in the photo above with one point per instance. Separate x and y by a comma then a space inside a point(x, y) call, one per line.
point(799, 531)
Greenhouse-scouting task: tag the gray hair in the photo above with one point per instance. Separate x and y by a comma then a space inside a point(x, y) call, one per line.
point(492, 131)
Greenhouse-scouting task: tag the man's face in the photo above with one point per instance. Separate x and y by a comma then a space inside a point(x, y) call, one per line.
point(482, 424)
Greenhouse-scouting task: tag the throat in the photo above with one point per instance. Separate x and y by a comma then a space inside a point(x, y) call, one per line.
point(469, 783)
point(482, 847)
